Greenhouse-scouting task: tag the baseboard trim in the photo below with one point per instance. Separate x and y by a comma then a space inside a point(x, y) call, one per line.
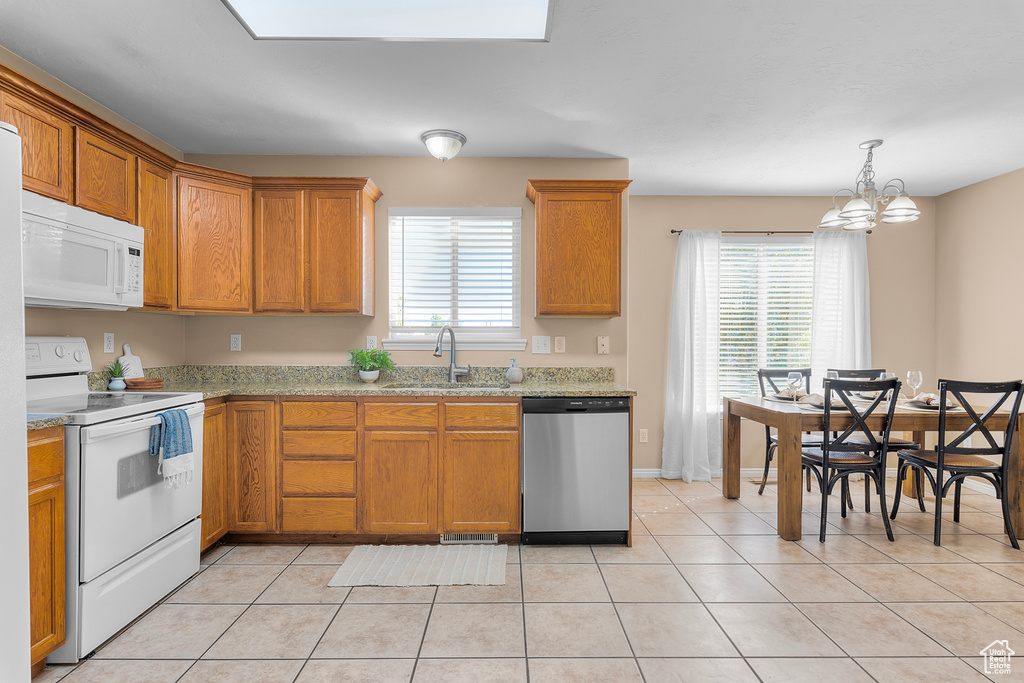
point(757, 472)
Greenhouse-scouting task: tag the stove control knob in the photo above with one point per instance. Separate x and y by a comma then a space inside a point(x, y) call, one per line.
point(79, 356)
point(59, 350)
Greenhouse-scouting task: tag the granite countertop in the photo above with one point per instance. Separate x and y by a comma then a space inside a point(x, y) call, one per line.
point(218, 388)
point(44, 420)
point(214, 381)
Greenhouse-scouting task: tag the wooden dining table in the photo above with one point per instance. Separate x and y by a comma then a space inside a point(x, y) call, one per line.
point(791, 421)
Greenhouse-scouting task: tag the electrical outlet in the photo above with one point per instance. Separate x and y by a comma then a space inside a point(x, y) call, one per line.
point(541, 344)
point(559, 344)
point(603, 346)
point(371, 341)
point(108, 342)
point(236, 342)
point(643, 436)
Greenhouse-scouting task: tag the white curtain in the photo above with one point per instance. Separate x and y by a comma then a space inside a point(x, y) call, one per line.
point(841, 312)
point(692, 447)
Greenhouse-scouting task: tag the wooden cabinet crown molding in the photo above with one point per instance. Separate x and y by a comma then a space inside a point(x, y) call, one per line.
point(317, 182)
point(24, 87)
point(533, 186)
point(199, 172)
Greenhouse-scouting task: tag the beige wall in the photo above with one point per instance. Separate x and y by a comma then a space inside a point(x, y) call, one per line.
point(900, 259)
point(979, 243)
point(405, 182)
point(156, 338)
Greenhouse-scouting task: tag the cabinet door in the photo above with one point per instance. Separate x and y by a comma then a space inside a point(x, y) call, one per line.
point(279, 251)
point(336, 252)
point(399, 471)
point(579, 252)
point(46, 144)
point(215, 474)
point(214, 246)
point(46, 567)
point(252, 466)
point(156, 215)
point(104, 176)
point(480, 475)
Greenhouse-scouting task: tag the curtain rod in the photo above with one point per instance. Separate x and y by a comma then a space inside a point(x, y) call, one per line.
point(762, 232)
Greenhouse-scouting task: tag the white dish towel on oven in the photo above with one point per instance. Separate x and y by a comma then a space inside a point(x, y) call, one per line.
point(171, 442)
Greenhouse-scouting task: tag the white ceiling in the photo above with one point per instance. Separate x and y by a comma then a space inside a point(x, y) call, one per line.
point(730, 97)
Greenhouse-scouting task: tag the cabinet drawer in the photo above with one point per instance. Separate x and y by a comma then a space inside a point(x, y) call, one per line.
point(399, 415)
point(325, 442)
point(45, 459)
point(481, 415)
point(299, 414)
point(330, 515)
point(319, 477)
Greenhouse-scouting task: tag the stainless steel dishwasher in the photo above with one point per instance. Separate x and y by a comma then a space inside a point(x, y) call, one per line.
point(576, 474)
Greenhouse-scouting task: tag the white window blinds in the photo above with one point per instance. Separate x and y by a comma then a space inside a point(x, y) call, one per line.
point(765, 296)
point(455, 266)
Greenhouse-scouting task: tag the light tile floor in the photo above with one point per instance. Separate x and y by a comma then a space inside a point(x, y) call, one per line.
point(707, 592)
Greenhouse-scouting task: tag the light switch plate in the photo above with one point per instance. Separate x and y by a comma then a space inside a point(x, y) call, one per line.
point(371, 341)
point(236, 342)
point(643, 436)
point(541, 344)
point(108, 342)
point(559, 344)
point(603, 345)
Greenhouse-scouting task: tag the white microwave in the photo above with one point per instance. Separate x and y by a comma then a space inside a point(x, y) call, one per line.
point(74, 258)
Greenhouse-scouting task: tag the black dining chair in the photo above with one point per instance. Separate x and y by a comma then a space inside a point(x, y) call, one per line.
point(958, 458)
point(768, 379)
point(895, 442)
point(855, 448)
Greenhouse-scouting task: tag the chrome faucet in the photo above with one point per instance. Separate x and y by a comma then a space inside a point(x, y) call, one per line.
point(454, 371)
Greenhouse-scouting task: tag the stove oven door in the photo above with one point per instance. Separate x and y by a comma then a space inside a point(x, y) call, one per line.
point(125, 504)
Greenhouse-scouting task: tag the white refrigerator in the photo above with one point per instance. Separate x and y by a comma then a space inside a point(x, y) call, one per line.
point(14, 602)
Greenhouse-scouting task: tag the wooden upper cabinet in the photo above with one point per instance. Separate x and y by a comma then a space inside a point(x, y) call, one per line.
point(279, 261)
point(579, 246)
point(156, 215)
point(336, 252)
point(252, 466)
point(104, 176)
point(214, 246)
point(313, 250)
point(46, 145)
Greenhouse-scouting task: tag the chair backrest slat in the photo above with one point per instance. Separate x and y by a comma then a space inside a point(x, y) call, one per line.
point(873, 442)
point(983, 422)
point(767, 379)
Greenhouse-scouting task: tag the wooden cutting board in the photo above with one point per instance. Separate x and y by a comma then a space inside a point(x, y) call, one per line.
point(132, 364)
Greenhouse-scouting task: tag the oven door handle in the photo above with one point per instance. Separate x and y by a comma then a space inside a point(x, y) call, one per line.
point(91, 434)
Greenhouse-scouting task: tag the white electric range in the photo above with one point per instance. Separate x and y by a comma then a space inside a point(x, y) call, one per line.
point(131, 539)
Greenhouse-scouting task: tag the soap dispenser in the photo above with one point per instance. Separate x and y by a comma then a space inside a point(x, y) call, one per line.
point(514, 374)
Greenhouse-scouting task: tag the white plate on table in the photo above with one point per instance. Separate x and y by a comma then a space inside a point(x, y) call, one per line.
point(921, 405)
point(780, 399)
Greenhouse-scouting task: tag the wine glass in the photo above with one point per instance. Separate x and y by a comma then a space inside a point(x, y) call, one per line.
point(914, 380)
point(794, 380)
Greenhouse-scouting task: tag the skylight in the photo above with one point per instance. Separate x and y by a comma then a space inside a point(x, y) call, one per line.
point(394, 19)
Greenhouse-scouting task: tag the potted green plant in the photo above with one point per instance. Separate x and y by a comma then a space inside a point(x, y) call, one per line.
point(370, 362)
point(115, 371)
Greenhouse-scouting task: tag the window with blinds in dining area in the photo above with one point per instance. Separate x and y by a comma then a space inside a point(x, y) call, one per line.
point(455, 266)
point(765, 297)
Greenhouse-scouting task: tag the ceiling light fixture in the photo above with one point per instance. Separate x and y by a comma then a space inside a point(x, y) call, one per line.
point(443, 144)
point(861, 210)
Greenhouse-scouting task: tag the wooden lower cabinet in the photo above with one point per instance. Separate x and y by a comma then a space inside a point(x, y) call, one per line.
point(46, 541)
point(252, 466)
point(399, 482)
point(480, 475)
point(215, 474)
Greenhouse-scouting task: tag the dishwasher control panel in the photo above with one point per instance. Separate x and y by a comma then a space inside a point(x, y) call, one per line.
point(576, 404)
